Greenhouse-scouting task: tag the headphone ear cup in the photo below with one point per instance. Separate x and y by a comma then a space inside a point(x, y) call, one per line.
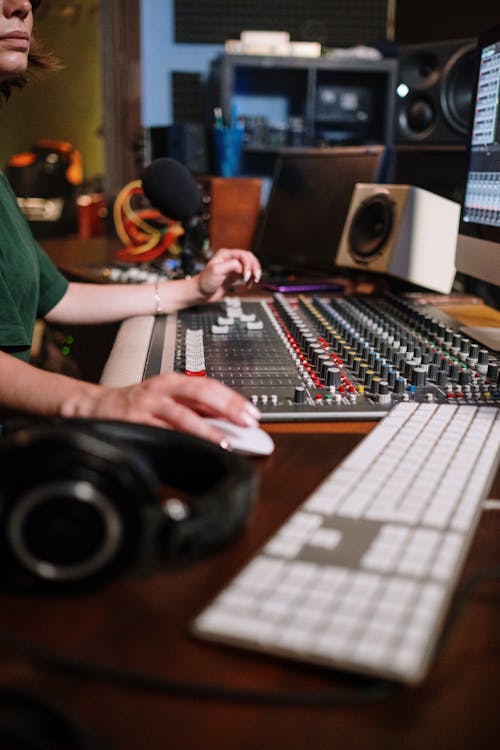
point(70, 505)
point(218, 487)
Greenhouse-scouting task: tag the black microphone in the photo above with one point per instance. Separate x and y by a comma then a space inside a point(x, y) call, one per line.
point(171, 188)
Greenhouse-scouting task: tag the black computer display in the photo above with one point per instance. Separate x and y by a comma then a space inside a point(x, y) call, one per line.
point(478, 248)
point(307, 207)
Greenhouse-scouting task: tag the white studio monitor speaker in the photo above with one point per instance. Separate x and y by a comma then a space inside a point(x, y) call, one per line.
point(402, 231)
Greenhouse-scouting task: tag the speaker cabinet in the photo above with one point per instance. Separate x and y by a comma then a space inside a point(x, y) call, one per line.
point(401, 231)
point(434, 92)
point(231, 210)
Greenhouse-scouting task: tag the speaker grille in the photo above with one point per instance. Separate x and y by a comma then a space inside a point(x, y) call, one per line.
point(434, 92)
point(343, 22)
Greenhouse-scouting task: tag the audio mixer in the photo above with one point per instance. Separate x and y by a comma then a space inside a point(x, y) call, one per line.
point(313, 358)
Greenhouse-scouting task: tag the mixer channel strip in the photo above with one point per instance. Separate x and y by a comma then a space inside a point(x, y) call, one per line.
point(312, 358)
point(360, 577)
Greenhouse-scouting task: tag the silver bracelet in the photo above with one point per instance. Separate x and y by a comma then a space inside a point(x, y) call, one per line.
point(158, 307)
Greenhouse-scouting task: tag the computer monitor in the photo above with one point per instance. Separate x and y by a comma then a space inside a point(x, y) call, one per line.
point(307, 207)
point(478, 246)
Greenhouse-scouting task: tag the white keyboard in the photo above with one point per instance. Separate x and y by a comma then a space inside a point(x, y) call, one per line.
point(360, 576)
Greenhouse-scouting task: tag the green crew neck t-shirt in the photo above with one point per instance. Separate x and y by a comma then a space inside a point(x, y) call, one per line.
point(30, 283)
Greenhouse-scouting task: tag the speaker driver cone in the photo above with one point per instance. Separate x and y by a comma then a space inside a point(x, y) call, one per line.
point(370, 227)
point(457, 89)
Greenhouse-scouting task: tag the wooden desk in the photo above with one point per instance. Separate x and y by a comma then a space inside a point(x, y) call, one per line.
point(142, 624)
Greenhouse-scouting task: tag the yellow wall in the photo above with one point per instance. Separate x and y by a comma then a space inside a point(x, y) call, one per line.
point(65, 105)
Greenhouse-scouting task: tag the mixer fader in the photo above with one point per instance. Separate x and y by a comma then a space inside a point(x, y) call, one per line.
point(313, 358)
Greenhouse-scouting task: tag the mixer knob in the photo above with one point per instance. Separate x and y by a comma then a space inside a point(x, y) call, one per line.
point(399, 386)
point(391, 378)
point(419, 376)
point(299, 396)
point(483, 356)
point(384, 396)
point(453, 372)
point(448, 336)
point(464, 377)
point(474, 351)
point(442, 379)
point(445, 363)
point(492, 372)
point(432, 371)
point(456, 341)
point(384, 371)
point(369, 378)
point(363, 369)
point(324, 363)
point(333, 377)
point(464, 349)
point(315, 357)
point(440, 330)
point(409, 364)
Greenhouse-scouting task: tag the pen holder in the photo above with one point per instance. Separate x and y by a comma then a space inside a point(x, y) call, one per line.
point(228, 143)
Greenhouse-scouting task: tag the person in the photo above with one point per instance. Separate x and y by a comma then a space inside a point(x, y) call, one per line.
point(31, 287)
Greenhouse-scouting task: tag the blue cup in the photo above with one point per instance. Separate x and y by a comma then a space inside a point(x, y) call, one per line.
point(228, 143)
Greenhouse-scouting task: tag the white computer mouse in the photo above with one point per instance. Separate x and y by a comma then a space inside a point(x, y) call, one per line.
point(249, 441)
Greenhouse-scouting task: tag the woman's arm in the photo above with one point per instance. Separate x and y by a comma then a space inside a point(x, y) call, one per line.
point(171, 400)
point(101, 303)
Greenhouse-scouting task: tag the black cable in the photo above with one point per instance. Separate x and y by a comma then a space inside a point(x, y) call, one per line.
point(364, 691)
point(367, 690)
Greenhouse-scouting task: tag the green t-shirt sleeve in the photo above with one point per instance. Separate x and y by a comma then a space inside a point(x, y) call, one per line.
point(53, 285)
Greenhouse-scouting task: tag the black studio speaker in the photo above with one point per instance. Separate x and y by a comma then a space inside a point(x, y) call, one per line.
point(434, 92)
point(82, 500)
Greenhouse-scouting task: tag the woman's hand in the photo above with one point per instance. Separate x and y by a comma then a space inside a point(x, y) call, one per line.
point(225, 269)
point(171, 400)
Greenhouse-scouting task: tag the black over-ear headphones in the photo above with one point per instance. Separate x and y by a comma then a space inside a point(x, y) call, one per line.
point(82, 499)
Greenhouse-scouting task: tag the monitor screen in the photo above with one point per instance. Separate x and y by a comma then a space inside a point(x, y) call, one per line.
point(308, 205)
point(478, 247)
